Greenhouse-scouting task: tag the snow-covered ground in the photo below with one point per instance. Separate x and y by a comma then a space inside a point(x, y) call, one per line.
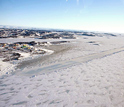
point(97, 83)
point(77, 48)
point(7, 67)
point(14, 40)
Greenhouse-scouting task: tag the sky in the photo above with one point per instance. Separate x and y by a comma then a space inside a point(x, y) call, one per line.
point(91, 15)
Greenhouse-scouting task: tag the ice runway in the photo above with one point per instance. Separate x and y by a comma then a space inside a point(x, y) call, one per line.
point(66, 64)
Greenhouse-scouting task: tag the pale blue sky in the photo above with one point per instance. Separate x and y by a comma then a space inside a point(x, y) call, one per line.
point(94, 15)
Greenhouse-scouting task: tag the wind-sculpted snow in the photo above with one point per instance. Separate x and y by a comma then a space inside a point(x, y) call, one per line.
point(98, 83)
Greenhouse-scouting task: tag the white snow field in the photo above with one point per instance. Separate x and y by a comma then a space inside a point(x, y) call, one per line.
point(96, 83)
point(81, 47)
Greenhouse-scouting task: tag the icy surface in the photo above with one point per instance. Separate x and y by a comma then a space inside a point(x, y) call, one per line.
point(98, 83)
point(14, 40)
point(77, 48)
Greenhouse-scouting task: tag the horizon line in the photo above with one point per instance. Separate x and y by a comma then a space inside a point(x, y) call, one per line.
point(41, 28)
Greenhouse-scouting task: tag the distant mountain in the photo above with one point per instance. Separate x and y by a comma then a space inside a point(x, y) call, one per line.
point(15, 27)
point(33, 28)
